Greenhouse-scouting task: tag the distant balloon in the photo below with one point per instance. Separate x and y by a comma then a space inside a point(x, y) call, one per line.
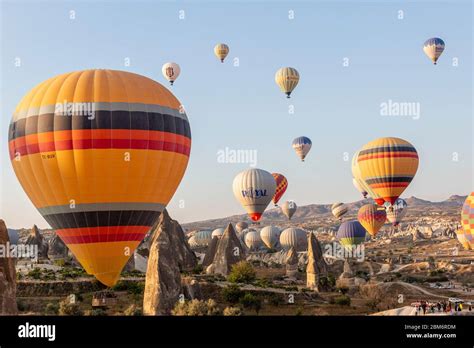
point(338, 210)
point(387, 166)
point(254, 189)
point(372, 217)
point(302, 145)
point(218, 232)
point(397, 211)
point(270, 236)
point(203, 238)
point(281, 186)
point(350, 234)
point(294, 237)
point(171, 72)
point(289, 208)
point(193, 242)
point(252, 240)
point(240, 226)
point(221, 51)
point(359, 187)
point(433, 48)
point(287, 79)
point(467, 219)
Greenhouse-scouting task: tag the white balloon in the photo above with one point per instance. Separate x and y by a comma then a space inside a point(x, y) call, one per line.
point(171, 71)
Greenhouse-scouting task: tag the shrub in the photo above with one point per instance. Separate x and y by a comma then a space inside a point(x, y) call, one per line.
point(97, 312)
point(251, 301)
point(343, 300)
point(196, 308)
point(68, 308)
point(197, 269)
point(133, 311)
point(35, 273)
point(242, 272)
point(262, 283)
point(59, 262)
point(343, 289)
point(135, 288)
point(232, 293)
point(52, 308)
point(232, 311)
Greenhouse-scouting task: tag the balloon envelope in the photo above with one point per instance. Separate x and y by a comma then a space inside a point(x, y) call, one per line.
point(102, 153)
point(302, 145)
point(397, 211)
point(339, 209)
point(289, 208)
point(281, 186)
point(294, 237)
point(387, 166)
point(351, 233)
point(270, 236)
point(221, 51)
point(287, 79)
point(467, 219)
point(433, 48)
point(254, 189)
point(252, 240)
point(218, 232)
point(171, 71)
point(372, 217)
point(240, 226)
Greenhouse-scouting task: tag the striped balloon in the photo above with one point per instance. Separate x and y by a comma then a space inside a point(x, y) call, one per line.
point(359, 187)
point(221, 51)
point(338, 210)
point(302, 145)
point(294, 237)
point(270, 236)
point(281, 186)
point(350, 234)
point(372, 217)
point(387, 166)
point(287, 79)
point(100, 153)
point(433, 48)
point(253, 240)
point(467, 219)
point(465, 239)
point(358, 177)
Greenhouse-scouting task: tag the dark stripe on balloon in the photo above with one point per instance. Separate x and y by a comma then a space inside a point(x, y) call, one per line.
point(135, 120)
point(396, 148)
point(390, 179)
point(102, 219)
point(102, 238)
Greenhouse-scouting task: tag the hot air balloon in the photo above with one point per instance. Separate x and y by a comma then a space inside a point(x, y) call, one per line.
point(221, 51)
point(289, 208)
point(281, 185)
point(465, 239)
point(193, 242)
point(270, 235)
point(302, 145)
point(240, 226)
point(350, 234)
point(433, 48)
point(467, 219)
point(387, 166)
point(100, 154)
point(338, 210)
point(359, 187)
point(203, 238)
point(254, 189)
point(171, 71)
point(287, 79)
point(372, 217)
point(218, 232)
point(252, 240)
point(396, 212)
point(294, 237)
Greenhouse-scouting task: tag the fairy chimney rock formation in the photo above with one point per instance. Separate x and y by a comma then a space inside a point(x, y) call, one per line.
point(292, 263)
point(57, 248)
point(316, 268)
point(163, 279)
point(35, 238)
point(229, 252)
point(7, 276)
point(210, 252)
point(347, 273)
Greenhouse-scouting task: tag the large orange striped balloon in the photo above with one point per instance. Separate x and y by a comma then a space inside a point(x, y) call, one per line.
point(387, 166)
point(372, 217)
point(281, 186)
point(100, 153)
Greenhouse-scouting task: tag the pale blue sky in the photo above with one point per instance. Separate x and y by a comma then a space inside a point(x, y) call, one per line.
point(242, 108)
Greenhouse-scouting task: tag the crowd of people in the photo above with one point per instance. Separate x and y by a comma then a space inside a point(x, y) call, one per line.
point(424, 307)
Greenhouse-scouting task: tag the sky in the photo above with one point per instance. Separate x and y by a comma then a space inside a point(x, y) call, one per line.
point(237, 105)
